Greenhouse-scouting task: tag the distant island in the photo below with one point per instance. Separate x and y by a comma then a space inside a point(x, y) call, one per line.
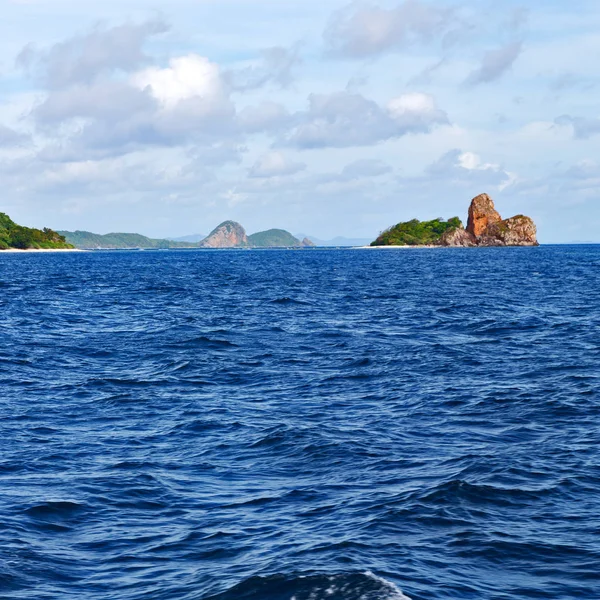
point(86, 240)
point(13, 236)
point(228, 234)
point(485, 227)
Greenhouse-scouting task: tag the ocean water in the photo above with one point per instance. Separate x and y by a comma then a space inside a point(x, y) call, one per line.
point(301, 425)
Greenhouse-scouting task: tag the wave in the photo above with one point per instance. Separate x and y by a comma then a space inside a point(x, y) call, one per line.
point(343, 586)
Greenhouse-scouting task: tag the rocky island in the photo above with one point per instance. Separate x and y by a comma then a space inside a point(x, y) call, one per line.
point(485, 227)
point(230, 234)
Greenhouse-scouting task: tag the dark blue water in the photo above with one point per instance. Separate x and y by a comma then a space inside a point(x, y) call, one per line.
point(308, 425)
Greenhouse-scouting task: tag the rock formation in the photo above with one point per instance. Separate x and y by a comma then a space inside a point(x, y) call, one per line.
point(228, 234)
point(306, 243)
point(458, 237)
point(482, 214)
point(516, 231)
point(486, 227)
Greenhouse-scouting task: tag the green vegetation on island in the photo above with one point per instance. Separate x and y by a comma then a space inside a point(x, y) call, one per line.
point(416, 233)
point(25, 238)
point(228, 234)
point(119, 241)
point(273, 238)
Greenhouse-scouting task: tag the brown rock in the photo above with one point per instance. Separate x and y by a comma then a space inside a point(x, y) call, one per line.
point(457, 237)
point(482, 214)
point(516, 231)
point(486, 227)
point(227, 235)
point(307, 243)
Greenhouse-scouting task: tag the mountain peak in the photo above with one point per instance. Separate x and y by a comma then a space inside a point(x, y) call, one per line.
point(228, 234)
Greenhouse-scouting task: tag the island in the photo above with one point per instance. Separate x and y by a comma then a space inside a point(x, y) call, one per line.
point(18, 237)
point(485, 227)
point(228, 234)
point(85, 240)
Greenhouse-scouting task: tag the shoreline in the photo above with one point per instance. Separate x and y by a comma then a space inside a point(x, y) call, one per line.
point(405, 247)
point(19, 250)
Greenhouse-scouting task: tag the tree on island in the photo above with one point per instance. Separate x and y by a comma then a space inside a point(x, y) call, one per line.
point(24, 238)
point(416, 233)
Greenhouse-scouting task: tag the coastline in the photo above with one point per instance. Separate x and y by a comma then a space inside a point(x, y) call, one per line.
point(405, 247)
point(19, 250)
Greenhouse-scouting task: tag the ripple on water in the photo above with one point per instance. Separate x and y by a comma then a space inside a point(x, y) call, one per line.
point(311, 425)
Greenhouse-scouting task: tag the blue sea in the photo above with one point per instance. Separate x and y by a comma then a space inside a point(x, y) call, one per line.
point(301, 425)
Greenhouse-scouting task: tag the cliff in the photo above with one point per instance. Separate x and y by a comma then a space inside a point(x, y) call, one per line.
point(24, 238)
point(485, 227)
point(482, 214)
point(228, 234)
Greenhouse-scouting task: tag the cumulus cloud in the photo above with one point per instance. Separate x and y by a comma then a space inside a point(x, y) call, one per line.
point(495, 63)
point(416, 112)
point(102, 100)
point(81, 59)
point(106, 100)
point(468, 168)
point(343, 119)
point(185, 102)
point(360, 31)
point(275, 164)
point(186, 77)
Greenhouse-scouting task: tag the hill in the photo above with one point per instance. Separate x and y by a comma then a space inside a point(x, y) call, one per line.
point(23, 238)
point(119, 241)
point(231, 234)
point(274, 238)
point(228, 234)
point(416, 233)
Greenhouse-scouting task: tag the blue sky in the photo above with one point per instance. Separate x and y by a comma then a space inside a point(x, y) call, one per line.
point(329, 117)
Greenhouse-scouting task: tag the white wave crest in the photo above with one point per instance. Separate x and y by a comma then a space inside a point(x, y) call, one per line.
point(394, 592)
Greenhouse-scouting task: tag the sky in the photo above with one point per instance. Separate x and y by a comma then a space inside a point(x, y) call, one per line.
point(323, 117)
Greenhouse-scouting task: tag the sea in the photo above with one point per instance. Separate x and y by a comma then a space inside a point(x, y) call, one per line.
point(327, 424)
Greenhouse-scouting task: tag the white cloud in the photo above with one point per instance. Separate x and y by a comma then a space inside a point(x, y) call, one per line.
point(82, 58)
point(343, 119)
point(416, 110)
point(359, 31)
point(467, 168)
point(191, 76)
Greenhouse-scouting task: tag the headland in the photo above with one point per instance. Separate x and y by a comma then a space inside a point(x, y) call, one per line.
point(485, 227)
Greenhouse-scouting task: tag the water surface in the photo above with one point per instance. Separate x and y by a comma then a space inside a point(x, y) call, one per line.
point(317, 424)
